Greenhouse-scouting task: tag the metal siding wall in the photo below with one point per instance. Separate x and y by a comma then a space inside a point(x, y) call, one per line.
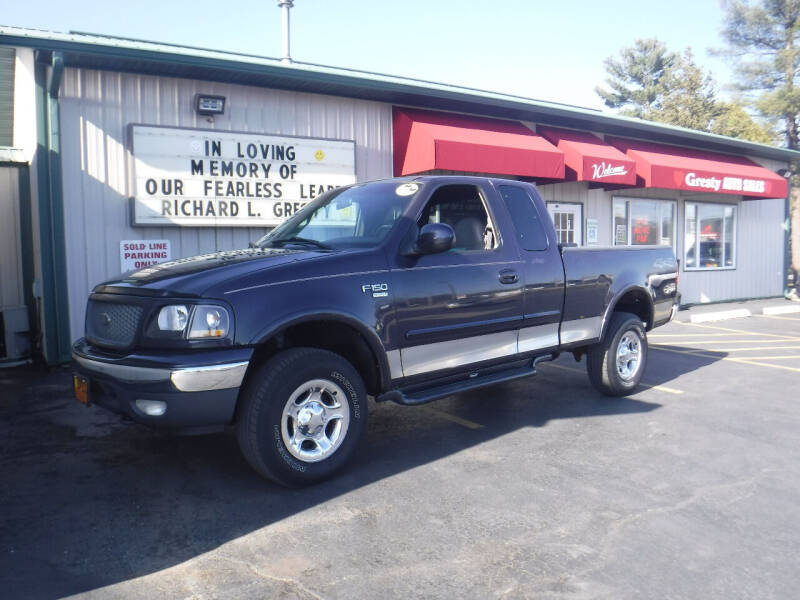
point(11, 290)
point(595, 205)
point(97, 107)
point(759, 238)
point(7, 62)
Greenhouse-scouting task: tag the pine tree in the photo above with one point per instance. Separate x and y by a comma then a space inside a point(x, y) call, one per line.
point(689, 98)
point(764, 40)
point(637, 78)
point(732, 120)
point(650, 82)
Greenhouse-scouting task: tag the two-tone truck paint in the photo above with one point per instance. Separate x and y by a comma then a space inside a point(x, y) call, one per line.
point(404, 289)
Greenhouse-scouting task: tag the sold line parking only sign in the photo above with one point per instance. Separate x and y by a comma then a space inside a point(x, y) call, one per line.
point(139, 254)
point(192, 177)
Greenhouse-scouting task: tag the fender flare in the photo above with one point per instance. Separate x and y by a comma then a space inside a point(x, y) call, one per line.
point(618, 296)
point(374, 343)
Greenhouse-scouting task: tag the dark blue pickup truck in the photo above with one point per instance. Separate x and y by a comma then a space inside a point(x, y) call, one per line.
point(405, 289)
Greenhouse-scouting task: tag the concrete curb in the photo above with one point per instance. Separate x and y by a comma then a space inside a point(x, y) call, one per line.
point(720, 316)
point(738, 313)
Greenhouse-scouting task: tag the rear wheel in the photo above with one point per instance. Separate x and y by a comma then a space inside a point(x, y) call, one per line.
point(616, 364)
point(303, 415)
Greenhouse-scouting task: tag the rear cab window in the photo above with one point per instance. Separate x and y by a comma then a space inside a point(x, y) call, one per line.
point(528, 226)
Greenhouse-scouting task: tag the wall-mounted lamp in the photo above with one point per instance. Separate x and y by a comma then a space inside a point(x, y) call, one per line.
point(209, 105)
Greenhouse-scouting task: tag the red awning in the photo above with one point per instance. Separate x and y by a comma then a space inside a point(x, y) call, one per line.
point(683, 169)
point(588, 158)
point(427, 141)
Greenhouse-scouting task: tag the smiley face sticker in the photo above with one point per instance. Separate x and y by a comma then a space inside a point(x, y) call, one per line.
point(319, 155)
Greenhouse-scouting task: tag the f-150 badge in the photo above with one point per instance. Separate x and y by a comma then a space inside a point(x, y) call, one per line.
point(379, 290)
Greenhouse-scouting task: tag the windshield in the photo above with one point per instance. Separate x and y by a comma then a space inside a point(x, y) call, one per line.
point(360, 216)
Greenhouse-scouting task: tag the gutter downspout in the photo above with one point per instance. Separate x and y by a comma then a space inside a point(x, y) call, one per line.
point(55, 305)
point(787, 238)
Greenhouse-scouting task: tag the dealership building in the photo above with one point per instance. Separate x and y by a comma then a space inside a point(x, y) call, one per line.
point(118, 153)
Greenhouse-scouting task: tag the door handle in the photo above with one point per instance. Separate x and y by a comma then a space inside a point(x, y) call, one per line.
point(508, 276)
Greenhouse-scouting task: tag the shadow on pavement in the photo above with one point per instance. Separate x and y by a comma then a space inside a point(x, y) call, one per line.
point(668, 362)
point(88, 501)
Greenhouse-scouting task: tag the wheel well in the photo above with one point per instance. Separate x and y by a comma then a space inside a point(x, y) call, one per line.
point(335, 336)
point(638, 303)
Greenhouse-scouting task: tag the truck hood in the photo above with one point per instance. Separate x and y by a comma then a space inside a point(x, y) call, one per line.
point(190, 276)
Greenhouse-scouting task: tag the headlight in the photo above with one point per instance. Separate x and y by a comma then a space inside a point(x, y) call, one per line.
point(204, 321)
point(209, 322)
point(173, 318)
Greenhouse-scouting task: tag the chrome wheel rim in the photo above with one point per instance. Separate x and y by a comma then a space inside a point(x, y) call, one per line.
point(315, 420)
point(629, 355)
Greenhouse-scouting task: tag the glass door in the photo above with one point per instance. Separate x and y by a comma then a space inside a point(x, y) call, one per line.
point(568, 221)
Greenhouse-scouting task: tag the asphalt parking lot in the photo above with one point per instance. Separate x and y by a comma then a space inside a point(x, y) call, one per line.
point(690, 488)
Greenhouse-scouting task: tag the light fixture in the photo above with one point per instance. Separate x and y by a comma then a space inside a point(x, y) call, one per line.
point(209, 105)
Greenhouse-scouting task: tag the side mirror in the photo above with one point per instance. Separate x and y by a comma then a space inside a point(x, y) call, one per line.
point(434, 238)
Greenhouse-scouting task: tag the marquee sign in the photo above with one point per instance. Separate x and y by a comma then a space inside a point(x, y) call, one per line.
point(193, 177)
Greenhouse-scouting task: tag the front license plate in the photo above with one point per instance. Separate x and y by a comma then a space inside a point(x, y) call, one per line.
point(81, 386)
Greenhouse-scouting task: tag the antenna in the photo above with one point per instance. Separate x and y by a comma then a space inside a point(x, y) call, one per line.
point(285, 6)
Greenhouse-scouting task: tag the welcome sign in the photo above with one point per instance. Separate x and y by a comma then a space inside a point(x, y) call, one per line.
point(192, 177)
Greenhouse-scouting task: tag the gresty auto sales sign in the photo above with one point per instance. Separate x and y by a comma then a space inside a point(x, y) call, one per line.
point(742, 180)
point(194, 177)
point(715, 183)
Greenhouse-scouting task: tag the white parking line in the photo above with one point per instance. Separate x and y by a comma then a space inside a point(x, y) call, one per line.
point(454, 419)
point(781, 310)
point(796, 320)
point(660, 388)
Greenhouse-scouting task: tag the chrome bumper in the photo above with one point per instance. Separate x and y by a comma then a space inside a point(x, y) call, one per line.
point(189, 379)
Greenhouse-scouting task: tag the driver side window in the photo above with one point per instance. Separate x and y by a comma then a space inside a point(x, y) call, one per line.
point(462, 207)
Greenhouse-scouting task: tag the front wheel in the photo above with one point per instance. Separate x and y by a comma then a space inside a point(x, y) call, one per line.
point(616, 364)
point(303, 415)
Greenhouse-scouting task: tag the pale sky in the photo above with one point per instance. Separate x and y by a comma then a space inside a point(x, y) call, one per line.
point(546, 50)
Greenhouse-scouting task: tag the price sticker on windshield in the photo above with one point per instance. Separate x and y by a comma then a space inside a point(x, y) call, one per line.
point(406, 189)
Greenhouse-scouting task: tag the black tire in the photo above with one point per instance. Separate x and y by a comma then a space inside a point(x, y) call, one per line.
point(602, 364)
point(263, 426)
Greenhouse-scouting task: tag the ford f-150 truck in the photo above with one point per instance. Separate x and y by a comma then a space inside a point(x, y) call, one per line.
point(406, 290)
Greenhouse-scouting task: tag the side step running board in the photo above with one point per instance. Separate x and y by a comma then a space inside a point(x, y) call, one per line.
point(422, 396)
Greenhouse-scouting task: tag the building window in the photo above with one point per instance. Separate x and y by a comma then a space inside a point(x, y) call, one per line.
point(710, 236)
point(639, 222)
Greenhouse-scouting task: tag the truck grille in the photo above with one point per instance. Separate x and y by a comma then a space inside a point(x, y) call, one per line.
point(111, 324)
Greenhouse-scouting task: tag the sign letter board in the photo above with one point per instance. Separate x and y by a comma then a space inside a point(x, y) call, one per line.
point(196, 178)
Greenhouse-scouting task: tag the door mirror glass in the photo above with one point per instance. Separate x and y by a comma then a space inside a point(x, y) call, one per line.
point(434, 238)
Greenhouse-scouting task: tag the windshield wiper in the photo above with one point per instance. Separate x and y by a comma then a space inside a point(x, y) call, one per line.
point(300, 240)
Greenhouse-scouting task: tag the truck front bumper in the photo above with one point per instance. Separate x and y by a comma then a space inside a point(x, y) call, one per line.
point(191, 390)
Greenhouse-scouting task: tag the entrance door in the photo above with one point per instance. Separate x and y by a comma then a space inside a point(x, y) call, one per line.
point(568, 220)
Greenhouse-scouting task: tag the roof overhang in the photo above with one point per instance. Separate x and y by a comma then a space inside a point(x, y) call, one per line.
point(119, 54)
